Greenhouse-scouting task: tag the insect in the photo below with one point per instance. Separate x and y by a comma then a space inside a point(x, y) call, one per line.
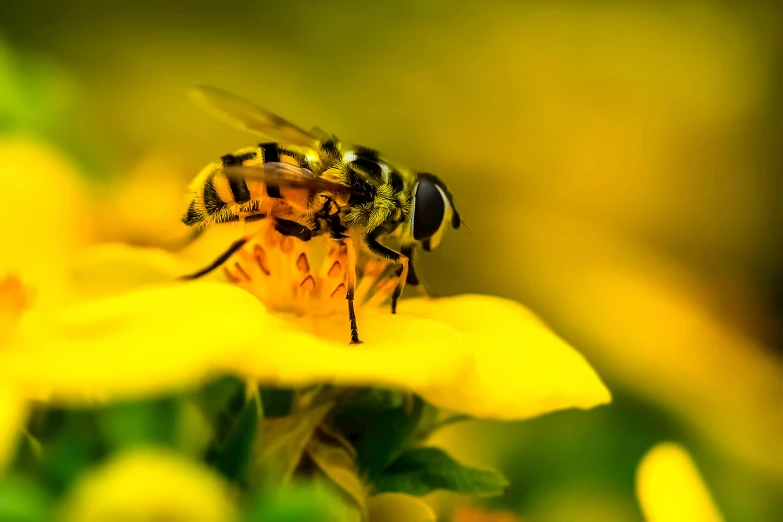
point(312, 185)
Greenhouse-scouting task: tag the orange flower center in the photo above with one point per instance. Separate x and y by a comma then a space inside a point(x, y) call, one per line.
point(306, 278)
point(15, 299)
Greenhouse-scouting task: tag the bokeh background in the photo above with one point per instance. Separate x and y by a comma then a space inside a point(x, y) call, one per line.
point(619, 165)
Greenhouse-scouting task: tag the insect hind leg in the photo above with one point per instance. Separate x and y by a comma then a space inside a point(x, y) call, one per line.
point(351, 284)
point(395, 257)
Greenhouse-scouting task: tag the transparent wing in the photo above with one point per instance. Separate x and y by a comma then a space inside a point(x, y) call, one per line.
point(247, 116)
point(286, 175)
point(320, 134)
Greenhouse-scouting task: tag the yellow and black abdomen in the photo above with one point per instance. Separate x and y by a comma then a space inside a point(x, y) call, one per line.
point(218, 198)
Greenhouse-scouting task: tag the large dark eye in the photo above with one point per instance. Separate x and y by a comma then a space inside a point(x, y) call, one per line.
point(428, 209)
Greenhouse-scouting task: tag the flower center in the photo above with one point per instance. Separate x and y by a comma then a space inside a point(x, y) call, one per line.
point(15, 299)
point(306, 278)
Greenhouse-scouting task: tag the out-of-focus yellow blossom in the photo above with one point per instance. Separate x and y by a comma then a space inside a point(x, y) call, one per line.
point(653, 327)
point(13, 303)
point(670, 488)
point(398, 507)
point(144, 205)
point(41, 228)
point(44, 221)
point(149, 485)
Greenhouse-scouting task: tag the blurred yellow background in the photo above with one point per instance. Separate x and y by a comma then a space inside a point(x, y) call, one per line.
point(618, 163)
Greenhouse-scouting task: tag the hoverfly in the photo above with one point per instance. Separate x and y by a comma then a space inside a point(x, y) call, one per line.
point(313, 185)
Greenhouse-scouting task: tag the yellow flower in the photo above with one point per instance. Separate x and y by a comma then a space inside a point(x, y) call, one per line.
point(43, 225)
point(478, 355)
point(398, 507)
point(146, 485)
point(670, 488)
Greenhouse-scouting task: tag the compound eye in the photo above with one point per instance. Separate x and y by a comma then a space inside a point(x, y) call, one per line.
point(429, 208)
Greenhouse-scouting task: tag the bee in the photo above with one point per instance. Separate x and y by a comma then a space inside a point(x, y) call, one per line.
point(311, 184)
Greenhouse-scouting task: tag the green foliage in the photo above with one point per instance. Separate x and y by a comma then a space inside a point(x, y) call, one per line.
point(388, 434)
point(340, 443)
point(423, 470)
point(70, 442)
point(365, 403)
point(298, 502)
point(38, 98)
point(137, 423)
point(23, 500)
point(335, 457)
point(277, 402)
point(232, 457)
point(282, 442)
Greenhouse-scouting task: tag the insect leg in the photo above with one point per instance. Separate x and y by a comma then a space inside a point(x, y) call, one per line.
point(351, 284)
point(222, 258)
point(394, 256)
point(412, 280)
point(400, 283)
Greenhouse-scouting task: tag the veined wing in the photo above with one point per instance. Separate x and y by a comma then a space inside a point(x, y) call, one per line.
point(286, 175)
point(247, 116)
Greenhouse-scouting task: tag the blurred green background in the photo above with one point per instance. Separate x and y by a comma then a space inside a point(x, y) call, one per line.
point(618, 163)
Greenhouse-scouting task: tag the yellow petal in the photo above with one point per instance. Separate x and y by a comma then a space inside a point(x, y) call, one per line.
point(670, 488)
point(399, 507)
point(142, 342)
point(149, 484)
point(41, 234)
point(514, 367)
point(502, 363)
point(12, 417)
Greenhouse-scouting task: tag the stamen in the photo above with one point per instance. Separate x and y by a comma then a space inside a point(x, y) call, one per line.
point(336, 269)
point(231, 277)
point(260, 256)
point(242, 271)
point(305, 278)
point(339, 291)
point(302, 264)
point(308, 284)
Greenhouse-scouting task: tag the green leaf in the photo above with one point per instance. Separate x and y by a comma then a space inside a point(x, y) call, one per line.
point(277, 401)
point(387, 437)
point(146, 422)
point(233, 456)
point(282, 442)
point(22, 500)
point(423, 470)
point(337, 460)
point(71, 442)
point(368, 402)
point(294, 503)
point(430, 424)
point(223, 395)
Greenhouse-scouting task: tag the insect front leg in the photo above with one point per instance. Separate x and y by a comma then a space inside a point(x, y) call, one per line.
point(395, 257)
point(350, 277)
